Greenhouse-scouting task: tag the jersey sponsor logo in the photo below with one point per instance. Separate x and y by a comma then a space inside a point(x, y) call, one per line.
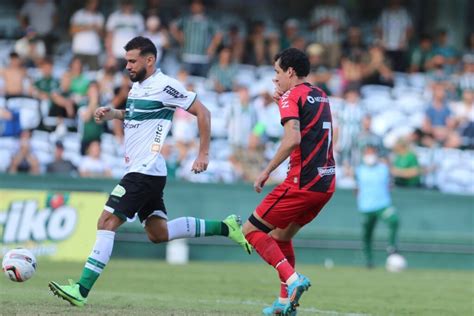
point(326, 171)
point(156, 146)
point(317, 99)
point(118, 191)
point(284, 100)
point(174, 93)
point(131, 126)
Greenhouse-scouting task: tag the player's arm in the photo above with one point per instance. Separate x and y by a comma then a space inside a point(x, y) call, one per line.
point(204, 125)
point(105, 113)
point(290, 140)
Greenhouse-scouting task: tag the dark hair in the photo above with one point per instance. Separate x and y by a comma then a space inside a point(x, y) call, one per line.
point(143, 44)
point(14, 55)
point(294, 58)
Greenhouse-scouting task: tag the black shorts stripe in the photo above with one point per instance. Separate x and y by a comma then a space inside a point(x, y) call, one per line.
point(273, 205)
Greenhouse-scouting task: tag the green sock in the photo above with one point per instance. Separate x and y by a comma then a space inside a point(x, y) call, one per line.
point(211, 228)
point(90, 274)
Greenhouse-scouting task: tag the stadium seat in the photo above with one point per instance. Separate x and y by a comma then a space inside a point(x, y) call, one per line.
point(377, 103)
point(29, 109)
point(5, 159)
point(371, 90)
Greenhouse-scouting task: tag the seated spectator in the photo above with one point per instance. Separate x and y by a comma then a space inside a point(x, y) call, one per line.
point(158, 35)
point(438, 118)
point(376, 68)
point(30, 48)
point(90, 130)
point(60, 166)
point(234, 39)
point(464, 117)
point(73, 88)
point(223, 73)
point(24, 160)
point(421, 54)
point(354, 46)
point(465, 80)
point(16, 81)
point(350, 73)
point(46, 84)
point(444, 53)
point(405, 168)
point(9, 123)
point(319, 74)
point(92, 166)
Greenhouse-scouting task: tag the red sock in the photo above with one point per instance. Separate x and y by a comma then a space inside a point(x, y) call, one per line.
point(268, 249)
point(286, 248)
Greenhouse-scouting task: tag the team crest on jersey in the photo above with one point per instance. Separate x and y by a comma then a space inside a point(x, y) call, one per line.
point(155, 148)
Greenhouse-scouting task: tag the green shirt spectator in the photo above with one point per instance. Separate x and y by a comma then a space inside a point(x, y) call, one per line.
point(405, 167)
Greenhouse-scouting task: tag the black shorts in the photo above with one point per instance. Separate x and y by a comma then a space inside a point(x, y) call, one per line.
point(140, 194)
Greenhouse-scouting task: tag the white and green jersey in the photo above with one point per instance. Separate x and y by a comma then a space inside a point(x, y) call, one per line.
point(150, 108)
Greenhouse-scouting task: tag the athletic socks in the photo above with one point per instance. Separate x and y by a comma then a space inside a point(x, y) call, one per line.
point(286, 248)
point(268, 249)
point(97, 260)
point(191, 227)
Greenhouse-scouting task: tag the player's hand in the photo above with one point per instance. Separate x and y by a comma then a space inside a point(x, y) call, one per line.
point(277, 95)
point(104, 113)
point(260, 181)
point(200, 164)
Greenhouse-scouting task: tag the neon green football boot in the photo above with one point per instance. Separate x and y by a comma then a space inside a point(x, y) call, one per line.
point(235, 232)
point(68, 293)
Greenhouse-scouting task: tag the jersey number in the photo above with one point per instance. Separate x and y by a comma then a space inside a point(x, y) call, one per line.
point(327, 125)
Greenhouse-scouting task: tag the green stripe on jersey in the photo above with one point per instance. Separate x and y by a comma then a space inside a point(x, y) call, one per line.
point(140, 104)
point(165, 114)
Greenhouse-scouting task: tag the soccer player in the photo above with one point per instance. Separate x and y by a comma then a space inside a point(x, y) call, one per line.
point(374, 201)
point(307, 140)
point(147, 121)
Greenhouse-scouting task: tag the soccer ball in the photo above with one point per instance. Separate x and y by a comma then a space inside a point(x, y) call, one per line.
point(19, 264)
point(395, 263)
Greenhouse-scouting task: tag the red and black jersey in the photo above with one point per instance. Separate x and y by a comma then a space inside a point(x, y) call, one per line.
point(312, 165)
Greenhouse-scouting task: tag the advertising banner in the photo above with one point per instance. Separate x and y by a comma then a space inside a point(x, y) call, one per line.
point(57, 225)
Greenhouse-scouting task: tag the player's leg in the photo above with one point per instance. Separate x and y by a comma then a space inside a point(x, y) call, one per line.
point(186, 227)
point(390, 217)
point(370, 220)
point(283, 237)
point(76, 293)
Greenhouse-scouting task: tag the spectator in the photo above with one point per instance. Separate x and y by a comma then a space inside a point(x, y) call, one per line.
point(235, 41)
point(438, 118)
point(9, 123)
point(30, 48)
point(46, 83)
point(60, 166)
point(445, 56)
point(405, 167)
point(158, 35)
point(267, 130)
point(421, 54)
point(15, 79)
point(240, 119)
point(261, 45)
point(89, 129)
point(464, 117)
point(199, 38)
point(350, 73)
point(353, 46)
point(328, 21)
point(290, 33)
point(42, 16)
point(367, 138)
point(92, 166)
point(74, 82)
point(223, 73)
point(347, 126)
point(24, 160)
point(319, 74)
point(376, 68)
point(395, 29)
point(87, 28)
point(465, 81)
point(374, 201)
point(122, 25)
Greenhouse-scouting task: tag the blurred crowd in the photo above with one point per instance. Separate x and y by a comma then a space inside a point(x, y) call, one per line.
point(410, 94)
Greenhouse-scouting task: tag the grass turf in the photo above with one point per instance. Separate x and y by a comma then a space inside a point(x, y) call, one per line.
point(147, 287)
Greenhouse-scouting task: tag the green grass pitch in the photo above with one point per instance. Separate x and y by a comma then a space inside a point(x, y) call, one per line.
point(147, 287)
